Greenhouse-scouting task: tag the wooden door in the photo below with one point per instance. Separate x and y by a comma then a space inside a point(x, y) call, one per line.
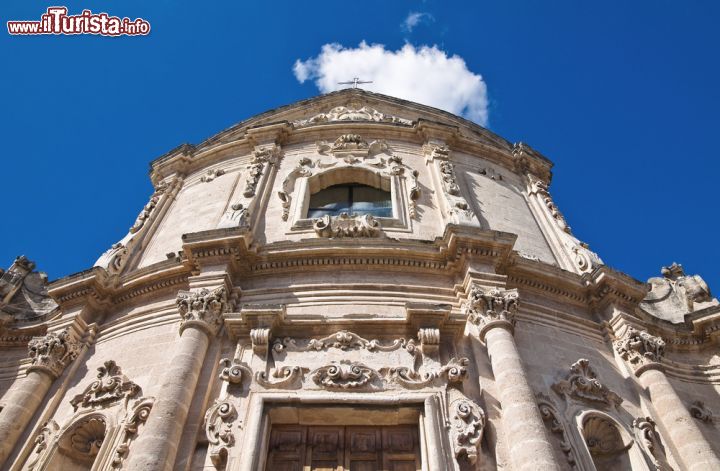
point(348, 448)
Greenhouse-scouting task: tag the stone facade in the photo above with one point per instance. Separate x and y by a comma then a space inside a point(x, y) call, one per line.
point(466, 329)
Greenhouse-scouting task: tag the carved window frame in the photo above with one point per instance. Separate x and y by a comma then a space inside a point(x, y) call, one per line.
point(434, 442)
point(307, 186)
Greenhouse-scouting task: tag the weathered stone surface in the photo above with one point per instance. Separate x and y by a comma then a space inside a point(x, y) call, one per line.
point(465, 329)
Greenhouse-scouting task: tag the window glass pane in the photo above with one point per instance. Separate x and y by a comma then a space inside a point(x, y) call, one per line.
point(352, 199)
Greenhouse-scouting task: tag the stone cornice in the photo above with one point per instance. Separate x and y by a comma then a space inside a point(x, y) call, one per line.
point(608, 286)
point(463, 135)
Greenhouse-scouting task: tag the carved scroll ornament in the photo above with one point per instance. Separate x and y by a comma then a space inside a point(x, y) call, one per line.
point(110, 386)
point(467, 423)
point(348, 226)
point(219, 422)
point(582, 383)
point(455, 371)
point(344, 374)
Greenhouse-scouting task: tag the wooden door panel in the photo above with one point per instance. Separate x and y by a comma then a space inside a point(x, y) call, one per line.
point(337, 448)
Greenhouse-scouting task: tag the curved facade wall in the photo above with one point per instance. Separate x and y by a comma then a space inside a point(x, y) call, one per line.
point(469, 329)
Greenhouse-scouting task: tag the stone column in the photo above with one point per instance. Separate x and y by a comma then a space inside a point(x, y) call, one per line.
point(49, 355)
point(156, 447)
point(493, 311)
point(643, 352)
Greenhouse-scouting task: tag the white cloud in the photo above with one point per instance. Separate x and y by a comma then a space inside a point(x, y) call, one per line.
point(414, 18)
point(424, 74)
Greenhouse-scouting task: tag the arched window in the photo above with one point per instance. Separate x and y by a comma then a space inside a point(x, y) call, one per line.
point(351, 198)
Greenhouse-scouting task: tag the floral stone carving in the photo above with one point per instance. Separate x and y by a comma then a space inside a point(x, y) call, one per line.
point(343, 375)
point(639, 348)
point(650, 442)
point(582, 383)
point(52, 353)
point(261, 157)
point(345, 225)
point(219, 421)
point(202, 308)
point(343, 113)
point(488, 306)
point(467, 423)
point(111, 385)
point(454, 372)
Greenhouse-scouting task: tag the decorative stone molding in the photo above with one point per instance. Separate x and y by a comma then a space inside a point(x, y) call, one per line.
point(233, 371)
point(219, 422)
point(345, 340)
point(344, 375)
point(457, 206)
point(649, 441)
point(552, 420)
point(280, 378)
point(52, 353)
point(288, 186)
point(539, 187)
point(345, 225)
point(449, 179)
point(700, 411)
point(467, 422)
point(212, 175)
point(429, 340)
point(148, 208)
point(203, 309)
point(350, 146)
point(582, 383)
point(491, 307)
point(344, 113)
point(42, 442)
point(640, 349)
point(110, 386)
point(136, 416)
point(455, 371)
point(414, 193)
point(261, 157)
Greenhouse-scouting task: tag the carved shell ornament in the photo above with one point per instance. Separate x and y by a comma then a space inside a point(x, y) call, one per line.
point(344, 375)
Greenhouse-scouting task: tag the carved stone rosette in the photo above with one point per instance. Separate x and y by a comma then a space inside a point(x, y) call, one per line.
point(52, 353)
point(202, 308)
point(490, 307)
point(640, 349)
point(467, 423)
point(219, 421)
point(110, 386)
point(582, 383)
point(345, 225)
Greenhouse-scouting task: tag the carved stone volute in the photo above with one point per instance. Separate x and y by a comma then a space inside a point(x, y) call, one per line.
point(640, 350)
point(52, 353)
point(203, 309)
point(491, 307)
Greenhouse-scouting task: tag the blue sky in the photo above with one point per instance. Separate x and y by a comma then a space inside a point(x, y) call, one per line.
point(622, 96)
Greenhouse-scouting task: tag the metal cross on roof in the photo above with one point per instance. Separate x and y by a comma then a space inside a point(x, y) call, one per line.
point(355, 82)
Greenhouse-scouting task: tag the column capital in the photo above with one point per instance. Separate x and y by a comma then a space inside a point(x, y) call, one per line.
point(52, 353)
point(202, 309)
point(641, 350)
point(488, 308)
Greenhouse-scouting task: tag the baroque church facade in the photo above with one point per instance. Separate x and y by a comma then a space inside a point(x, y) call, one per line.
point(356, 282)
